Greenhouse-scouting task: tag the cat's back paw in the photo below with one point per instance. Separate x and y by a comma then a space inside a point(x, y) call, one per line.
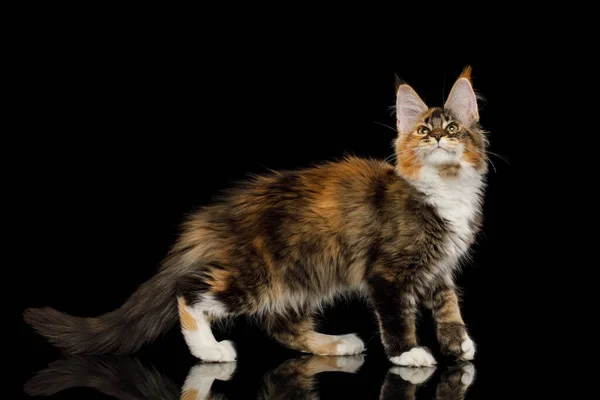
point(348, 345)
point(223, 351)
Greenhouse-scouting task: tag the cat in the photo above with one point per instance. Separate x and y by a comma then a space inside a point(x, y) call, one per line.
point(280, 245)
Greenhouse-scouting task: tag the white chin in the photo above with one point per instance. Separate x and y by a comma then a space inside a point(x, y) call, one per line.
point(438, 157)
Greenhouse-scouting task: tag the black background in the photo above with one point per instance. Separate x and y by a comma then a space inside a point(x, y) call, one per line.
point(127, 124)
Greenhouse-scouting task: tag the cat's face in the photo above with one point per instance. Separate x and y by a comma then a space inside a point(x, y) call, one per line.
point(446, 138)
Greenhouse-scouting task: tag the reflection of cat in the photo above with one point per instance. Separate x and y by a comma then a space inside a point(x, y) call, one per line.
point(455, 381)
point(128, 378)
point(403, 383)
point(294, 379)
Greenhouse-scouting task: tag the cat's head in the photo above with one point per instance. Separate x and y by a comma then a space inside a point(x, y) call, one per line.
point(447, 139)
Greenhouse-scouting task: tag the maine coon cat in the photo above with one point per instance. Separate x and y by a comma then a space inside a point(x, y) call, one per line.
point(280, 245)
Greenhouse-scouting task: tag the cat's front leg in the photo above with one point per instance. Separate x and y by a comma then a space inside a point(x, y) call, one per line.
point(450, 327)
point(396, 313)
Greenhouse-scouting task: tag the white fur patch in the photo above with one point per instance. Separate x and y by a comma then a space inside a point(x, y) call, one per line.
point(468, 348)
point(349, 345)
point(415, 376)
point(416, 357)
point(457, 200)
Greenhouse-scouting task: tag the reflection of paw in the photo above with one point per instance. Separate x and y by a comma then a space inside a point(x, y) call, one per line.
point(468, 349)
point(455, 381)
point(350, 364)
point(416, 357)
point(413, 375)
point(468, 373)
point(349, 345)
point(219, 352)
point(198, 383)
point(220, 371)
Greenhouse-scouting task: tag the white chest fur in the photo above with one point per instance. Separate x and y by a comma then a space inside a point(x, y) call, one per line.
point(457, 200)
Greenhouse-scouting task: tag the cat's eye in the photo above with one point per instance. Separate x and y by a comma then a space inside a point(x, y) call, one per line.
point(452, 128)
point(423, 130)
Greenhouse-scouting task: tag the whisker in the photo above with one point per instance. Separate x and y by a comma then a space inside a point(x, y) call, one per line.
point(503, 158)
point(387, 126)
point(493, 166)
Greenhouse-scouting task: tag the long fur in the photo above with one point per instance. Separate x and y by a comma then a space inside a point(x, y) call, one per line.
point(280, 245)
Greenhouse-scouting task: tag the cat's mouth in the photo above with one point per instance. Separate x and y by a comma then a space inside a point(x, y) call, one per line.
point(441, 148)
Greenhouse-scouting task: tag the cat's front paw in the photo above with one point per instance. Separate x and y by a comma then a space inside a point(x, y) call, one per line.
point(415, 357)
point(455, 342)
point(468, 350)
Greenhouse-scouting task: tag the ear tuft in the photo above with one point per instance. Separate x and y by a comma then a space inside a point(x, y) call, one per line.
point(466, 73)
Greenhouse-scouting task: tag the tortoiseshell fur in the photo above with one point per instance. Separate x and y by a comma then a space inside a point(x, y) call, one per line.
point(279, 245)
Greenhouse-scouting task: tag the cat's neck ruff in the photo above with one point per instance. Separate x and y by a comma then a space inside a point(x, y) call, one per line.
point(457, 200)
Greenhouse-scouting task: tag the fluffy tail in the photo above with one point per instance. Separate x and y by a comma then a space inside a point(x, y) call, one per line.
point(150, 311)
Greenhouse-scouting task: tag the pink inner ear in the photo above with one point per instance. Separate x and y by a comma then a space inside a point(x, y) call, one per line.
point(409, 108)
point(462, 102)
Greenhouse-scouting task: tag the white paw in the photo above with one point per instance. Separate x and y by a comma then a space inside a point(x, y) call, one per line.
point(416, 357)
point(220, 352)
point(413, 375)
point(468, 373)
point(349, 345)
point(350, 364)
point(468, 348)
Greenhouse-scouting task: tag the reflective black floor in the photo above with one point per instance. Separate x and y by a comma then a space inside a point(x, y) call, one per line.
point(297, 378)
point(166, 370)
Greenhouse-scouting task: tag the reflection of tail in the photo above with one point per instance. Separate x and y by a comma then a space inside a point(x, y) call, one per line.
point(294, 379)
point(120, 377)
point(150, 311)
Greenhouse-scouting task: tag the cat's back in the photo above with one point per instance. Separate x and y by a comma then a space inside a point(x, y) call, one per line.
point(324, 196)
point(351, 182)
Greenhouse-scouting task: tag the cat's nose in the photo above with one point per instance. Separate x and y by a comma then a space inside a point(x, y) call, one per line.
point(437, 134)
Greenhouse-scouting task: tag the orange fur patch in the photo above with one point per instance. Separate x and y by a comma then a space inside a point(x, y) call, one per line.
point(473, 157)
point(188, 322)
point(449, 312)
point(219, 280)
point(260, 247)
point(408, 164)
point(316, 365)
point(320, 344)
point(189, 394)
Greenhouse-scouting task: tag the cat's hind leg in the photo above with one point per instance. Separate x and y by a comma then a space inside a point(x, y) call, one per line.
point(296, 331)
point(195, 326)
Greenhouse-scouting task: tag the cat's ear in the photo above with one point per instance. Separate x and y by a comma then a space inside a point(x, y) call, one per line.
point(462, 101)
point(409, 108)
